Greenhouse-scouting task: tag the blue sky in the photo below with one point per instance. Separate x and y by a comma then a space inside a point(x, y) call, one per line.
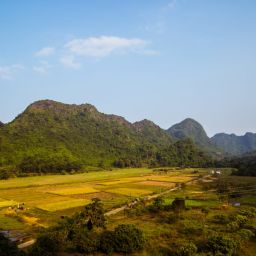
point(163, 60)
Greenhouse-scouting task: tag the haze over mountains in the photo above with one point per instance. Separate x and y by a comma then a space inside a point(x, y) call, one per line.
point(80, 131)
point(231, 144)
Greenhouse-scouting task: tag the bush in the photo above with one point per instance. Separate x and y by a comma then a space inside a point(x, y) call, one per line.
point(249, 212)
point(4, 175)
point(245, 234)
point(172, 218)
point(220, 219)
point(85, 241)
point(238, 221)
point(189, 249)
point(46, 245)
point(7, 248)
point(128, 239)
point(221, 245)
point(106, 242)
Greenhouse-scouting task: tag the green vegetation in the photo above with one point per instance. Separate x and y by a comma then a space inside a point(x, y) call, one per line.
point(85, 232)
point(191, 129)
point(235, 145)
point(196, 218)
point(49, 197)
point(8, 248)
point(51, 137)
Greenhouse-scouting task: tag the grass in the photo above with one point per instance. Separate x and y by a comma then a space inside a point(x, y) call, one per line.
point(175, 179)
point(70, 179)
point(130, 191)
point(72, 203)
point(6, 203)
point(156, 183)
point(48, 197)
point(8, 223)
point(73, 191)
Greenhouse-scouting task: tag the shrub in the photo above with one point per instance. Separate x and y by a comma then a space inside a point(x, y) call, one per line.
point(238, 221)
point(85, 241)
point(7, 248)
point(46, 245)
point(189, 249)
point(245, 234)
point(172, 218)
point(106, 242)
point(4, 174)
point(128, 239)
point(249, 212)
point(220, 219)
point(221, 245)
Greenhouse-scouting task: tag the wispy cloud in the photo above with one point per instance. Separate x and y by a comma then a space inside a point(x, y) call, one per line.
point(99, 47)
point(8, 72)
point(69, 62)
point(158, 21)
point(171, 5)
point(43, 67)
point(45, 52)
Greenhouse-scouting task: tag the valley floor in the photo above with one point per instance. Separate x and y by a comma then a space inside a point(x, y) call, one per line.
point(28, 205)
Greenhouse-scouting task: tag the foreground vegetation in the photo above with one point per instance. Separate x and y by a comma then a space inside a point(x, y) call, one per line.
point(217, 218)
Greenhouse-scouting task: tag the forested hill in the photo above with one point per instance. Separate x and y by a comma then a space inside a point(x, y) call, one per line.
point(235, 145)
point(245, 165)
point(189, 128)
point(50, 135)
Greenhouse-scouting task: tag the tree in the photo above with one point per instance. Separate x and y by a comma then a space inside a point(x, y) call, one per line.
point(189, 249)
point(94, 215)
point(221, 245)
point(7, 248)
point(107, 242)
point(46, 245)
point(128, 239)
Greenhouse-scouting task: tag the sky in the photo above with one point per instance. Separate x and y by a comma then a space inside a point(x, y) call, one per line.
point(162, 60)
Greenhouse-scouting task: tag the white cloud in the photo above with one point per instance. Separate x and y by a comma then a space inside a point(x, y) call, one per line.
point(45, 52)
point(104, 45)
point(8, 72)
point(69, 62)
point(42, 68)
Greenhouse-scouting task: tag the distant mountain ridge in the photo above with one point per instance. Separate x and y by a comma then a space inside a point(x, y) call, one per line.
point(235, 145)
point(189, 128)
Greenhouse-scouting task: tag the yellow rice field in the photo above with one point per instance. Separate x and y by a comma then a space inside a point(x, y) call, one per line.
point(130, 191)
point(74, 191)
point(71, 203)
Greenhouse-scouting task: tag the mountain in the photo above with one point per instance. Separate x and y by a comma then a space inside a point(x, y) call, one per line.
point(235, 145)
point(52, 135)
point(152, 132)
point(1, 124)
point(189, 128)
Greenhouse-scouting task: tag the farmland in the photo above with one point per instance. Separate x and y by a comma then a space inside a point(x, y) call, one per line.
point(48, 197)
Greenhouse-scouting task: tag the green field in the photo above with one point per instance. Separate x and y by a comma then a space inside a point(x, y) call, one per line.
point(48, 197)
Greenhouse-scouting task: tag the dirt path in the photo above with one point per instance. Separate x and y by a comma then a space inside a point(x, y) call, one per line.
point(126, 206)
point(26, 244)
point(148, 198)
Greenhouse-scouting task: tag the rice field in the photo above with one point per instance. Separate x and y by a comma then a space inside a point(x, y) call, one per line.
point(130, 192)
point(7, 203)
point(48, 197)
point(63, 205)
point(73, 191)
